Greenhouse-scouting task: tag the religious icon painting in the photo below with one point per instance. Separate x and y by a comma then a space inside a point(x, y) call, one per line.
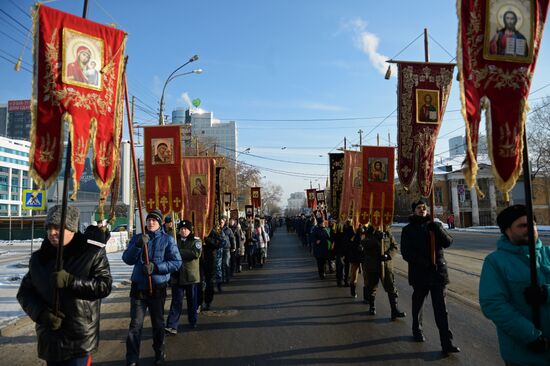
point(199, 184)
point(427, 106)
point(162, 150)
point(82, 59)
point(311, 196)
point(378, 170)
point(509, 31)
point(357, 177)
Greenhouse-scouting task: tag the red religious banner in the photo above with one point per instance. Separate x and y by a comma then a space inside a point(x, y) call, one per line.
point(163, 177)
point(199, 191)
point(350, 205)
point(311, 198)
point(497, 48)
point(423, 92)
point(378, 174)
point(256, 197)
point(78, 67)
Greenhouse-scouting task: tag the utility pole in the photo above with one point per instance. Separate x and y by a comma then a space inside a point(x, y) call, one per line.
point(345, 141)
point(132, 187)
point(360, 132)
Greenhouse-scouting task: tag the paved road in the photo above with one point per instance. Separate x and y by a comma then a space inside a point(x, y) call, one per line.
point(284, 315)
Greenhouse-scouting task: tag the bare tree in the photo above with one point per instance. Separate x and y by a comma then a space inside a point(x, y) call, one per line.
point(538, 132)
point(271, 197)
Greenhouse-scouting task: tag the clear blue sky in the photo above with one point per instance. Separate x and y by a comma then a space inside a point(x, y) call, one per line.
point(300, 74)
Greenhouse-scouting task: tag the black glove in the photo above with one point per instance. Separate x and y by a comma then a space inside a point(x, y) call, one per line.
point(433, 226)
point(385, 257)
point(50, 320)
point(148, 268)
point(536, 295)
point(541, 344)
point(62, 279)
point(143, 239)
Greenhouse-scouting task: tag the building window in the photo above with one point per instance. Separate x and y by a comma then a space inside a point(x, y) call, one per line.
point(438, 195)
point(15, 197)
point(15, 171)
point(14, 208)
point(3, 196)
point(4, 170)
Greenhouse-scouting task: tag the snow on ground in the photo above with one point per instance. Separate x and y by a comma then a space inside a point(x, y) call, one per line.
point(12, 271)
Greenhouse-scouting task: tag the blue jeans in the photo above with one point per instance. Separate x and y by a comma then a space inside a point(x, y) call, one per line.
point(176, 305)
point(80, 361)
point(138, 307)
point(219, 265)
point(226, 265)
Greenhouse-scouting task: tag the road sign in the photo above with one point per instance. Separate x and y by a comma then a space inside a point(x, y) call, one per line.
point(34, 199)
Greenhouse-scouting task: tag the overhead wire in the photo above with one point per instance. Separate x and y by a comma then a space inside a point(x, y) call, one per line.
point(11, 62)
point(15, 20)
point(20, 9)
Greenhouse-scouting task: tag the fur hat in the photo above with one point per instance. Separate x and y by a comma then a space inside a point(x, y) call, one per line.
point(167, 219)
point(155, 215)
point(509, 215)
point(72, 217)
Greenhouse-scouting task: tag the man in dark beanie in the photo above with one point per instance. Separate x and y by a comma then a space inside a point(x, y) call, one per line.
point(70, 335)
point(427, 271)
point(507, 297)
point(186, 280)
point(164, 258)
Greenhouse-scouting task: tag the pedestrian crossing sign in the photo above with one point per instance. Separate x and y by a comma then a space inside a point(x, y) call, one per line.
point(34, 199)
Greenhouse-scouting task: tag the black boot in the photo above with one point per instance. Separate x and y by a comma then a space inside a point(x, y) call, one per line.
point(372, 308)
point(352, 290)
point(447, 345)
point(365, 295)
point(395, 312)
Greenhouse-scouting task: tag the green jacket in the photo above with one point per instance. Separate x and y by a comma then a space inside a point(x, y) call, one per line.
point(190, 250)
point(375, 245)
point(504, 277)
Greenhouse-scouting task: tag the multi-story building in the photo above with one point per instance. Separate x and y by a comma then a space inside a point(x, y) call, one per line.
point(19, 119)
point(210, 132)
point(452, 195)
point(457, 146)
point(14, 175)
point(3, 119)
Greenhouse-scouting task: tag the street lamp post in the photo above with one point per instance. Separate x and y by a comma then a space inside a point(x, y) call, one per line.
point(170, 78)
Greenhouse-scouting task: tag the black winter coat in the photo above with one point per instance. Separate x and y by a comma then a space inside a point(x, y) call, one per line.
point(212, 243)
point(356, 252)
point(415, 248)
point(80, 302)
point(321, 242)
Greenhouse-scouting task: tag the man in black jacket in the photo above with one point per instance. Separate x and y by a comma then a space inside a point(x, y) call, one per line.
point(427, 271)
point(70, 335)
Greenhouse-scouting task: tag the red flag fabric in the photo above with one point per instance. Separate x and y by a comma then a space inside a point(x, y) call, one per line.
point(256, 197)
point(350, 206)
point(163, 175)
point(78, 67)
point(378, 177)
point(311, 198)
point(498, 44)
point(423, 92)
point(199, 191)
